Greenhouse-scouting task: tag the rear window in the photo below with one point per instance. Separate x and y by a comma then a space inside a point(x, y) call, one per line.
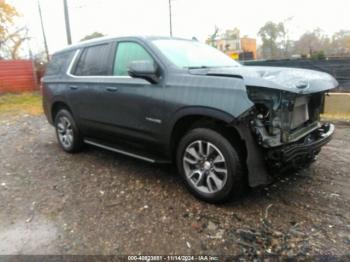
point(94, 61)
point(59, 63)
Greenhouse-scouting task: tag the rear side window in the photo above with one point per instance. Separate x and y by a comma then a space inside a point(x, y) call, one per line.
point(59, 63)
point(126, 53)
point(94, 61)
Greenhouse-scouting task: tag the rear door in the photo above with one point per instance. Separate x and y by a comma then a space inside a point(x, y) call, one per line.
point(87, 87)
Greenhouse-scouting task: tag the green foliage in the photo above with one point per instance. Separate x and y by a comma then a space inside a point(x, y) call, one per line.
point(319, 55)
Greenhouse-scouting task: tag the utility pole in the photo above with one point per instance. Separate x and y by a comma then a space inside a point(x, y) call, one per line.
point(171, 26)
point(66, 18)
point(43, 31)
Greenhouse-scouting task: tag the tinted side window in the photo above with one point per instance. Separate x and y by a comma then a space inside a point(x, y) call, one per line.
point(59, 63)
point(127, 52)
point(94, 61)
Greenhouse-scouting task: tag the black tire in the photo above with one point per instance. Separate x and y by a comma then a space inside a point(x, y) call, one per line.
point(234, 183)
point(63, 115)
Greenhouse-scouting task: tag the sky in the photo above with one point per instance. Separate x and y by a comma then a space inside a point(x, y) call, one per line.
point(190, 17)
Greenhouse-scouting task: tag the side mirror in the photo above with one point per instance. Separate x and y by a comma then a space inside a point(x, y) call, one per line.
point(144, 69)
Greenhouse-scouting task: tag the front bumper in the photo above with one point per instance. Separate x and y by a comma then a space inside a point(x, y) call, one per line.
point(302, 151)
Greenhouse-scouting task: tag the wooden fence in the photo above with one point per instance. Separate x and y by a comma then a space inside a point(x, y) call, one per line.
point(17, 76)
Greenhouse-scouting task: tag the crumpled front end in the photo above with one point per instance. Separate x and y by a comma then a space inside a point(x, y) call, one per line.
point(283, 127)
point(287, 126)
point(302, 151)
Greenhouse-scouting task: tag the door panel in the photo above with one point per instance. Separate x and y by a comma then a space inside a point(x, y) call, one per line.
point(117, 107)
point(130, 108)
point(133, 105)
point(120, 109)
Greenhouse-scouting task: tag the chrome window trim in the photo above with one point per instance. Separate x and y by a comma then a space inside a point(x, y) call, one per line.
point(70, 67)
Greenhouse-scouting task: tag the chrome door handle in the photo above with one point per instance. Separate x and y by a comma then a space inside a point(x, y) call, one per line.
point(73, 87)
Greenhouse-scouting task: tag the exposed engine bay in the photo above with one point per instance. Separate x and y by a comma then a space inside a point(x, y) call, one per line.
point(284, 117)
point(287, 125)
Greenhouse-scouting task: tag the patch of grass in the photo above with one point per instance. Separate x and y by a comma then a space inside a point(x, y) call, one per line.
point(29, 103)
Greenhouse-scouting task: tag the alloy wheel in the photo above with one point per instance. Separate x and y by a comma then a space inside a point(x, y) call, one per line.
point(205, 166)
point(65, 131)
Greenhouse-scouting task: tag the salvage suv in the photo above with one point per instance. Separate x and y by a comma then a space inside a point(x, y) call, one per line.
point(165, 100)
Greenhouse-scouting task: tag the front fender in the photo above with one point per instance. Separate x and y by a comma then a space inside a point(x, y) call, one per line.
point(202, 111)
point(225, 94)
point(192, 111)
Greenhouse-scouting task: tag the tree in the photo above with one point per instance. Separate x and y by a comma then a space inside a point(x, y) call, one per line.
point(313, 42)
point(341, 43)
point(272, 35)
point(287, 43)
point(92, 36)
point(17, 40)
point(7, 15)
point(11, 38)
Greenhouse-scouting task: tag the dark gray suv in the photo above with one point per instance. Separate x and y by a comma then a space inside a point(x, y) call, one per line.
point(174, 100)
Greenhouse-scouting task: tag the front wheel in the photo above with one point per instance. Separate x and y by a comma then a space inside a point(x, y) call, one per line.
point(67, 132)
point(209, 165)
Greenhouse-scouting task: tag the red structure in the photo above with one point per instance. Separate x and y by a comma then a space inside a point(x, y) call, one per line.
point(17, 76)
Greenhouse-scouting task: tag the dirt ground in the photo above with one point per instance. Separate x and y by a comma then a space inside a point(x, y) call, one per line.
point(98, 202)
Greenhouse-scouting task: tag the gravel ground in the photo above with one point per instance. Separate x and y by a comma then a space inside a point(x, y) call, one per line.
point(98, 202)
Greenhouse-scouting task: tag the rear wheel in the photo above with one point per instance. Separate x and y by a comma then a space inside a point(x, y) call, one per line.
point(67, 132)
point(210, 165)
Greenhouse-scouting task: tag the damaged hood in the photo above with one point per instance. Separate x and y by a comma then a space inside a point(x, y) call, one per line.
point(301, 81)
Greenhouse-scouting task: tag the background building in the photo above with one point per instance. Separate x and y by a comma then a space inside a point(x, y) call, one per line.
point(234, 46)
point(248, 48)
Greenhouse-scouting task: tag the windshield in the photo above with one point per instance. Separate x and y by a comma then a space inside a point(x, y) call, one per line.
point(192, 54)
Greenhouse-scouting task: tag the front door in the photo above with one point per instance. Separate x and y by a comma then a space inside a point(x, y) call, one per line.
point(133, 106)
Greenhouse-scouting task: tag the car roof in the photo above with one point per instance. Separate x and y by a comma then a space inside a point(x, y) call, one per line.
point(107, 39)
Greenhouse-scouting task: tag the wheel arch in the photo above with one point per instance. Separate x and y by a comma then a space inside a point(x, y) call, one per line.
point(56, 106)
point(237, 132)
point(204, 117)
